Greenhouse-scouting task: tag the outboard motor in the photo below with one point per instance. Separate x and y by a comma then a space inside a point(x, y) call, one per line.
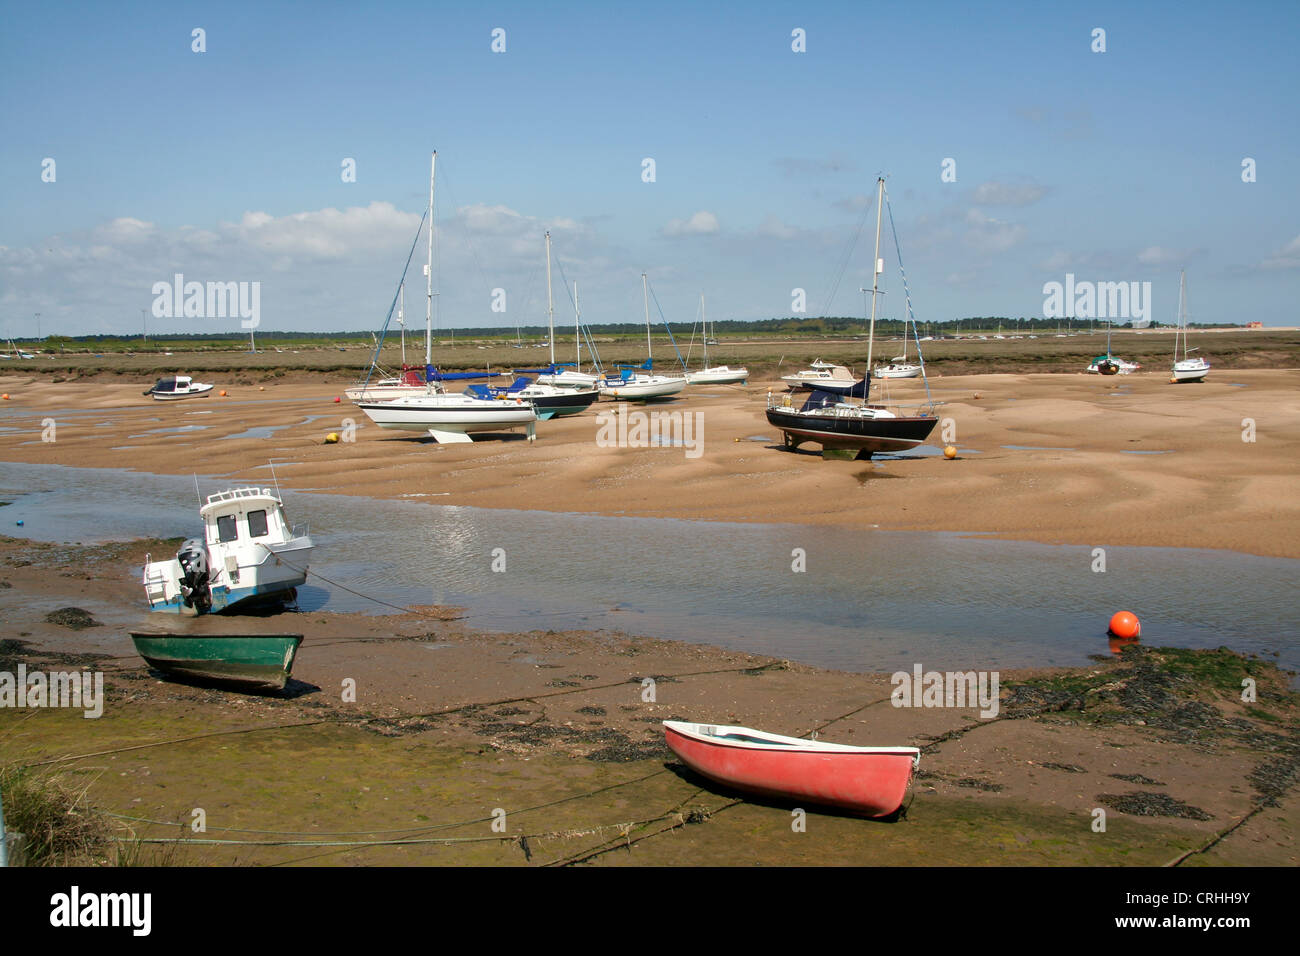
point(193, 558)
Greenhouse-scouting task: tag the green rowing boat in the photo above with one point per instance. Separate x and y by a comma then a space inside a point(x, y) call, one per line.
point(257, 660)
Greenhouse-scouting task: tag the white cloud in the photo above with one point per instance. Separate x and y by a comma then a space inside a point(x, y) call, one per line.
point(1287, 258)
point(992, 235)
point(703, 223)
point(1008, 194)
point(774, 228)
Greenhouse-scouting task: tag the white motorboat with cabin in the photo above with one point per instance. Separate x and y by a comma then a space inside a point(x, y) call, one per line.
point(249, 555)
point(178, 387)
point(820, 374)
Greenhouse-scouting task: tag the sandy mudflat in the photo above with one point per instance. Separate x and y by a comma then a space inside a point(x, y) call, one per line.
point(1130, 460)
point(451, 724)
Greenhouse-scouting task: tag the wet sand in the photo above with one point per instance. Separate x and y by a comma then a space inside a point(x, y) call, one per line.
point(1130, 460)
point(451, 726)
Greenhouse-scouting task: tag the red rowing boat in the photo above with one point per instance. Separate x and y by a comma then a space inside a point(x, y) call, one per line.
point(867, 780)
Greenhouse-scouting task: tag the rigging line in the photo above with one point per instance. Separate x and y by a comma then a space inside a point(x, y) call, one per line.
point(181, 740)
point(376, 832)
point(835, 720)
point(388, 318)
point(343, 719)
point(469, 240)
point(669, 328)
point(844, 263)
point(316, 574)
point(570, 834)
point(610, 846)
point(898, 250)
point(585, 330)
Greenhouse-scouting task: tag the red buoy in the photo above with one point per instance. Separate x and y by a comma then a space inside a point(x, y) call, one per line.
point(1125, 624)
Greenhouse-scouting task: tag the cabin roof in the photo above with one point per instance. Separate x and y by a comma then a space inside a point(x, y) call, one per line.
point(239, 499)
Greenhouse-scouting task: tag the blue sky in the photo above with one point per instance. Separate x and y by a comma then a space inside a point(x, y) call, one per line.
point(225, 165)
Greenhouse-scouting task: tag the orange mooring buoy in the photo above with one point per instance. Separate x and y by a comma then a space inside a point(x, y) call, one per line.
point(950, 452)
point(1125, 624)
point(222, 393)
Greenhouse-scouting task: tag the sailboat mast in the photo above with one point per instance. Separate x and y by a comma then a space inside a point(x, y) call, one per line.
point(428, 273)
point(577, 326)
point(401, 316)
point(878, 268)
point(550, 303)
point(645, 294)
point(1182, 315)
point(705, 323)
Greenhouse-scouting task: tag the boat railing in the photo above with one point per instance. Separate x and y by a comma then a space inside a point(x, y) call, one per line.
point(786, 400)
point(300, 530)
point(237, 493)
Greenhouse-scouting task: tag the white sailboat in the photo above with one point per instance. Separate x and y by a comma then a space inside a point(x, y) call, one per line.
point(549, 400)
point(1186, 369)
point(717, 374)
point(640, 384)
point(447, 417)
point(898, 366)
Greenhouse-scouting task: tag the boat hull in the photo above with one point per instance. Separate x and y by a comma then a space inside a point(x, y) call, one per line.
point(869, 435)
point(634, 391)
point(462, 419)
point(897, 371)
point(1190, 372)
point(262, 661)
point(871, 781)
point(722, 375)
point(197, 392)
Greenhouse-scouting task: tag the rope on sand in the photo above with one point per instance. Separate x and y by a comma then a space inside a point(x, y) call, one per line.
point(343, 719)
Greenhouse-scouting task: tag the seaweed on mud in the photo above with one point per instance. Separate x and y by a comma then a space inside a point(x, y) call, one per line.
point(594, 710)
point(74, 618)
point(562, 683)
point(398, 726)
point(611, 746)
point(1067, 767)
point(1138, 778)
point(629, 752)
point(509, 712)
point(657, 678)
point(1143, 803)
point(974, 784)
point(14, 652)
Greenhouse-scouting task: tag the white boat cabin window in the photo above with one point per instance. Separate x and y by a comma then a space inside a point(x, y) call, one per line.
point(226, 528)
point(257, 524)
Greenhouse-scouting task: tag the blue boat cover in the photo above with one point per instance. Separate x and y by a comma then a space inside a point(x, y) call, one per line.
point(479, 391)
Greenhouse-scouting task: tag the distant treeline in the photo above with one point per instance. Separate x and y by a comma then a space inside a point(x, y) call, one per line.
point(777, 326)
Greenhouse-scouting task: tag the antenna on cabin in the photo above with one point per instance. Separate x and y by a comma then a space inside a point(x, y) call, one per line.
point(275, 480)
